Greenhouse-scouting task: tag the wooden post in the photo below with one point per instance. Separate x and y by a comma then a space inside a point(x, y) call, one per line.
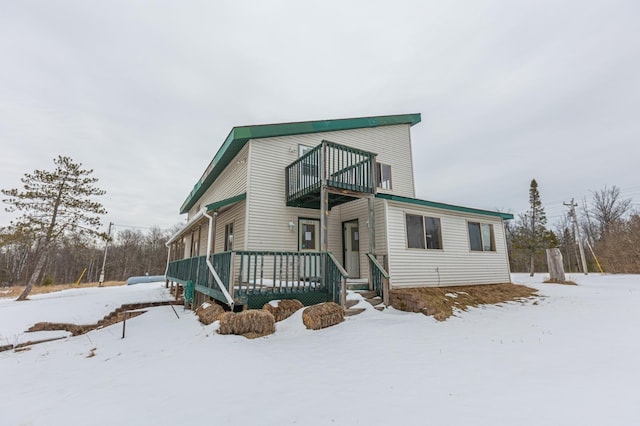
point(556, 267)
point(124, 323)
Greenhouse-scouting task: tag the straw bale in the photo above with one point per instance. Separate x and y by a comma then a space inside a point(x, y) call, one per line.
point(322, 316)
point(284, 309)
point(209, 312)
point(250, 324)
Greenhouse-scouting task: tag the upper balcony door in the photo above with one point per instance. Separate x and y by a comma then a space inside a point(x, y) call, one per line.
point(351, 241)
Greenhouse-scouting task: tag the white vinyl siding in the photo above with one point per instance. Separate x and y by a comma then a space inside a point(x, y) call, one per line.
point(455, 264)
point(231, 182)
point(232, 214)
point(268, 215)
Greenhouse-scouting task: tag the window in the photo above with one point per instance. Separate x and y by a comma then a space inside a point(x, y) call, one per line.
point(308, 234)
point(228, 237)
point(383, 176)
point(423, 232)
point(309, 166)
point(481, 236)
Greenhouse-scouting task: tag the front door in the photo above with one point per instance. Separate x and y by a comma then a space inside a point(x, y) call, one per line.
point(351, 238)
point(309, 242)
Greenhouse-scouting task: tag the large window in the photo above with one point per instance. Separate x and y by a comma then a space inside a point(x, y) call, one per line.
point(481, 237)
point(383, 176)
point(423, 232)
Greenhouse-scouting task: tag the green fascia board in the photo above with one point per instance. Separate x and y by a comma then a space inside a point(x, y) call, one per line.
point(443, 206)
point(226, 202)
point(239, 136)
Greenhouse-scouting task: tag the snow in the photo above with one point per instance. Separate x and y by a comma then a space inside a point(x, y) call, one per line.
point(570, 357)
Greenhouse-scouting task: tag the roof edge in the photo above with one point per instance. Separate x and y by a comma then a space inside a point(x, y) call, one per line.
point(444, 206)
point(238, 136)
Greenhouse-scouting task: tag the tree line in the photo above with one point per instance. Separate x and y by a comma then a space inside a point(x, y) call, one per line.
point(607, 226)
point(131, 252)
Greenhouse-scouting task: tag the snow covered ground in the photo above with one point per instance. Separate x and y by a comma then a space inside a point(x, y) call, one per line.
point(570, 359)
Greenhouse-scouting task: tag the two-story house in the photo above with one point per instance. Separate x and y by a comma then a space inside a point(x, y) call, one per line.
point(293, 210)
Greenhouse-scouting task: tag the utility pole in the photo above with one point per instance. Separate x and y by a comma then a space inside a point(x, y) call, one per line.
point(573, 206)
point(104, 259)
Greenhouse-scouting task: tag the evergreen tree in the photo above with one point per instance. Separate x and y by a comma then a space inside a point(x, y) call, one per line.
point(53, 204)
point(540, 237)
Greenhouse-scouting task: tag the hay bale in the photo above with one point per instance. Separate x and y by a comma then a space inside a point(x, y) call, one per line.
point(250, 324)
point(209, 312)
point(322, 316)
point(283, 309)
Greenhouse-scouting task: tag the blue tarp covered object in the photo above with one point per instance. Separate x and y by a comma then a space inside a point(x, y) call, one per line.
point(145, 279)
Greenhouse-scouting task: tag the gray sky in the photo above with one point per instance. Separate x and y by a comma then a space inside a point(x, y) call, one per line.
point(145, 92)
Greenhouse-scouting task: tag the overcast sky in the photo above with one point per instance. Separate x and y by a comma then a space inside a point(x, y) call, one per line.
point(144, 93)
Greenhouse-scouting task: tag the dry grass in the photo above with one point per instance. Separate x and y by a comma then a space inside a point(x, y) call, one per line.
point(284, 310)
point(16, 290)
point(209, 312)
point(250, 324)
point(568, 282)
point(441, 302)
point(322, 316)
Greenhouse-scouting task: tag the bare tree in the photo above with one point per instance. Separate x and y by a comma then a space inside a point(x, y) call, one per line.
point(608, 207)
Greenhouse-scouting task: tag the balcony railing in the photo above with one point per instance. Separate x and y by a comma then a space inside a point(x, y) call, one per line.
point(342, 167)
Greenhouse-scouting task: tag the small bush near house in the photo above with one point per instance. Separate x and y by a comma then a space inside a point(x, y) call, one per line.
point(322, 315)
point(284, 308)
point(250, 324)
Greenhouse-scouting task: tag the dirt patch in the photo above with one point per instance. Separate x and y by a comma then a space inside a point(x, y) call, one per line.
point(441, 302)
point(560, 282)
point(16, 290)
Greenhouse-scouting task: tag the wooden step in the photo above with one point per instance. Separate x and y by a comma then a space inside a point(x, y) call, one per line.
point(374, 301)
point(353, 311)
point(367, 294)
point(351, 303)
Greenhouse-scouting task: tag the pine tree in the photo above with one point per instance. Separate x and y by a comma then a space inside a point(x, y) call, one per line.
point(538, 233)
point(53, 204)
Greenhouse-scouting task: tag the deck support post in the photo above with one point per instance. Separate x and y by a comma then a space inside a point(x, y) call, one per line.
point(372, 236)
point(324, 198)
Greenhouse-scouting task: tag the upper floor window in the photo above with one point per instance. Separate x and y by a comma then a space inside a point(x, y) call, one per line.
point(309, 167)
point(383, 176)
point(423, 232)
point(481, 236)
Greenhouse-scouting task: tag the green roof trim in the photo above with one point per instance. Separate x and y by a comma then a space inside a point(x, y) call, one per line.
point(239, 136)
point(226, 202)
point(443, 206)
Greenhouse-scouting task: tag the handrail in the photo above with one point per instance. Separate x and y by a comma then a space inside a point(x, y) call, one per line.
point(343, 283)
point(380, 268)
point(223, 289)
point(342, 271)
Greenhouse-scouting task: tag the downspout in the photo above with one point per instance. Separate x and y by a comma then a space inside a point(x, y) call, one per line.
point(223, 289)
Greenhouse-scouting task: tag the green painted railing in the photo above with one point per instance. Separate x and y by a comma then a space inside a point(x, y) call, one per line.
point(336, 280)
point(311, 277)
point(379, 276)
point(343, 167)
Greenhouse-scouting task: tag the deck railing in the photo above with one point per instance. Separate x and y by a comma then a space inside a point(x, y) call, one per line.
point(268, 274)
point(379, 278)
point(344, 168)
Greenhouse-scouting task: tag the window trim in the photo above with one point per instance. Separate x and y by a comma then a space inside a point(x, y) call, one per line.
point(226, 236)
point(379, 175)
point(492, 237)
point(424, 232)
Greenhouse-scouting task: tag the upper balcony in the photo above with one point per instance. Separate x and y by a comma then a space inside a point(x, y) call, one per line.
point(348, 174)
